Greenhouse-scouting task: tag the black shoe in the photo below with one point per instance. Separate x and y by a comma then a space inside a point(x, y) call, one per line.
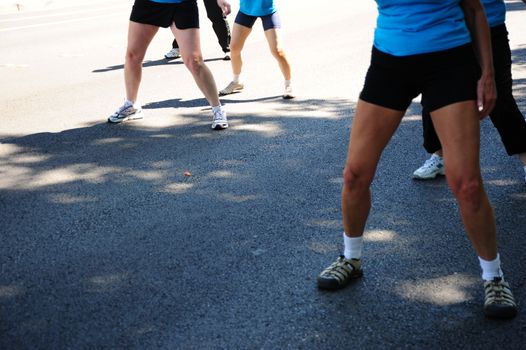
point(499, 301)
point(340, 273)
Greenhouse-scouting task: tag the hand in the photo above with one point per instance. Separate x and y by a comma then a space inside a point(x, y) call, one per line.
point(225, 7)
point(486, 94)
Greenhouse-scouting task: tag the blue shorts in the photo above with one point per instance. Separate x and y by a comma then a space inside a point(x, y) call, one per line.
point(269, 21)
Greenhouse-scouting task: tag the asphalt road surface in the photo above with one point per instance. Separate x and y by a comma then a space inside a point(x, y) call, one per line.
point(105, 243)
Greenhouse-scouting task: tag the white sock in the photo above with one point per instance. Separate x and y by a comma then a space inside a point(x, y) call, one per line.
point(352, 247)
point(236, 78)
point(128, 102)
point(436, 155)
point(490, 269)
point(288, 83)
point(216, 108)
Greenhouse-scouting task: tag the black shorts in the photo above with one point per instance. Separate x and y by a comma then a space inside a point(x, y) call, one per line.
point(443, 78)
point(269, 21)
point(185, 15)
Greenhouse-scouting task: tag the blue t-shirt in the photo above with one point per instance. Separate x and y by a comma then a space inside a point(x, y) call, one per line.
point(257, 7)
point(495, 11)
point(168, 1)
point(412, 27)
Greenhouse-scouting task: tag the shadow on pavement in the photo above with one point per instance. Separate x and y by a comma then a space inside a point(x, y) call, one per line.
point(515, 5)
point(146, 64)
point(107, 243)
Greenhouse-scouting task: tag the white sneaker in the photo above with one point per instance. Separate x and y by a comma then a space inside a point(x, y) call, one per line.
point(289, 93)
point(231, 88)
point(172, 54)
point(127, 111)
point(432, 167)
point(219, 121)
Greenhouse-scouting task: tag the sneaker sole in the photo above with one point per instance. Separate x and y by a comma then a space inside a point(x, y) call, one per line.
point(500, 312)
point(418, 177)
point(224, 93)
point(332, 284)
point(221, 126)
point(288, 97)
point(132, 117)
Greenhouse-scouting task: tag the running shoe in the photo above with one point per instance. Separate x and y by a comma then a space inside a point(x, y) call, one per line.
point(340, 273)
point(289, 93)
point(219, 121)
point(432, 167)
point(126, 112)
point(231, 88)
point(173, 54)
point(499, 301)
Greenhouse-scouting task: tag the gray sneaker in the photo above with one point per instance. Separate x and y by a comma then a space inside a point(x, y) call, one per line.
point(219, 121)
point(126, 112)
point(173, 54)
point(340, 273)
point(499, 301)
point(231, 88)
point(432, 167)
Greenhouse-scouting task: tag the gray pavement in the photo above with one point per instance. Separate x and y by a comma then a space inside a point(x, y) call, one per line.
point(106, 244)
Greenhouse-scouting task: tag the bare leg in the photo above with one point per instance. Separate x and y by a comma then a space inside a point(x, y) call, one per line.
point(274, 43)
point(139, 38)
point(239, 36)
point(189, 42)
point(458, 127)
point(372, 129)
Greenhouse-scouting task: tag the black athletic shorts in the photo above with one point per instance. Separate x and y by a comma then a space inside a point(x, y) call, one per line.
point(185, 15)
point(269, 21)
point(443, 78)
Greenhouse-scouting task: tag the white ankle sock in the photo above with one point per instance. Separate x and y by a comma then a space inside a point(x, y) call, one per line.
point(352, 247)
point(128, 102)
point(216, 108)
point(490, 269)
point(288, 83)
point(236, 78)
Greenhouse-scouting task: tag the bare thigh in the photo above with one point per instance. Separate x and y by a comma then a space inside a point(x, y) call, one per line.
point(239, 36)
point(372, 128)
point(458, 128)
point(274, 39)
point(139, 38)
point(189, 41)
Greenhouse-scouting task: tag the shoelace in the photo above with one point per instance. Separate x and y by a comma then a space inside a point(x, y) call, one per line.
point(339, 267)
point(123, 108)
point(430, 162)
point(498, 291)
point(218, 116)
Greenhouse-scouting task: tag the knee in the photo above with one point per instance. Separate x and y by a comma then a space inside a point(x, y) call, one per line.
point(194, 64)
point(467, 189)
point(235, 48)
point(355, 180)
point(278, 52)
point(133, 57)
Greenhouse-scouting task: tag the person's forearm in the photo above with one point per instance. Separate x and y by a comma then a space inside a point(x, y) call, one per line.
point(480, 34)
